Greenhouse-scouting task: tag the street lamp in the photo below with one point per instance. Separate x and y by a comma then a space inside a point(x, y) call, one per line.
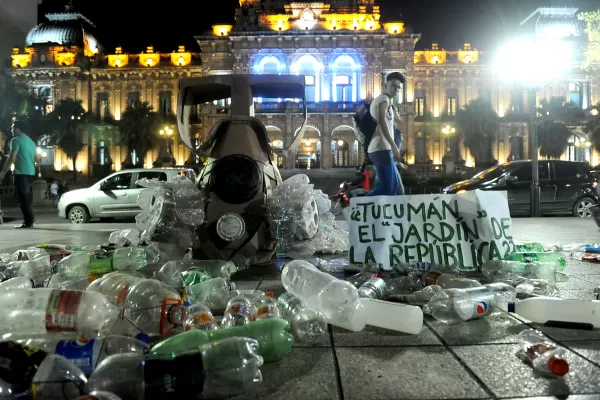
point(41, 154)
point(448, 130)
point(531, 64)
point(165, 155)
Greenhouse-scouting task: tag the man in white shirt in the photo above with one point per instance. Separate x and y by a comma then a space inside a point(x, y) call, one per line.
point(54, 193)
point(383, 151)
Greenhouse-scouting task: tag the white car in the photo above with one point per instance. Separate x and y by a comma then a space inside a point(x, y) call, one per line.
point(114, 196)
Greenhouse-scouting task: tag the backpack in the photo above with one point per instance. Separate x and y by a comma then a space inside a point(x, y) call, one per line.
point(366, 124)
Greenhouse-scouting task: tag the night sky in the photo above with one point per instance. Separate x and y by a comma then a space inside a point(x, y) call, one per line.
point(167, 24)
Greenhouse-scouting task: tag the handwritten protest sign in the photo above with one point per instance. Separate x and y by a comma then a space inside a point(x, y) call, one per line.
point(463, 230)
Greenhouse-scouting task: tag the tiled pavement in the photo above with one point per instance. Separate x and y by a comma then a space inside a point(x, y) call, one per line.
point(473, 360)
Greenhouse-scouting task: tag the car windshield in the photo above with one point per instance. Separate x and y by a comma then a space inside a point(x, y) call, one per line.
point(491, 173)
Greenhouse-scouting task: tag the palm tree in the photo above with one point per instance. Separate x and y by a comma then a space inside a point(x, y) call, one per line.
point(553, 117)
point(478, 123)
point(138, 127)
point(69, 123)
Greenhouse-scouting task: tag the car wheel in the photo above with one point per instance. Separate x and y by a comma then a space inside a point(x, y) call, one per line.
point(582, 208)
point(79, 215)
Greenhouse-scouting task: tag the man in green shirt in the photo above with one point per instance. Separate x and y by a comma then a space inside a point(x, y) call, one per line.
point(22, 155)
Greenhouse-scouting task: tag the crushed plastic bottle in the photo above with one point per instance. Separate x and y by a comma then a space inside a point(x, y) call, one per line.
point(308, 324)
point(545, 356)
point(200, 317)
point(240, 311)
point(16, 283)
point(213, 293)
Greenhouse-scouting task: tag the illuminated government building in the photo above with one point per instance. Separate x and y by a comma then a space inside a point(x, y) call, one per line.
point(344, 48)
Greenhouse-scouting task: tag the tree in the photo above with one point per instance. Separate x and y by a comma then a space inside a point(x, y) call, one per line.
point(553, 117)
point(138, 127)
point(16, 102)
point(69, 123)
point(478, 123)
point(592, 127)
point(592, 29)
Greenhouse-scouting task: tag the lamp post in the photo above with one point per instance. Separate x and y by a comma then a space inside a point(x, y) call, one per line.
point(41, 155)
point(531, 63)
point(447, 131)
point(165, 155)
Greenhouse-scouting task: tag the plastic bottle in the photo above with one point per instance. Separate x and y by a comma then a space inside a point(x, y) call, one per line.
point(529, 247)
point(559, 312)
point(551, 257)
point(115, 286)
point(393, 316)
point(374, 288)
point(335, 298)
point(448, 281)
point(31, 373)
point(267, 308)
point(360, 278)
point(273, 336)
point(99, 395)
point(308, 324)
point(240, 310)
point(213, 293)
point(16, 283)
point(36, 311)
point(171, 272)
point(86, 353)
point(545, 356)
point(200, 317)
point(39, 269)
point(230, 363)
point(154, 307)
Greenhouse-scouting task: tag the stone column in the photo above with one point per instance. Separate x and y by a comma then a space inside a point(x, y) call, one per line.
point(326, 143)
point(288, 136)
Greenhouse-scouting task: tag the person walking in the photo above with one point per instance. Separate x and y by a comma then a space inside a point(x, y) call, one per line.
point(54, 193)
point(22, 155)
point(383, 151)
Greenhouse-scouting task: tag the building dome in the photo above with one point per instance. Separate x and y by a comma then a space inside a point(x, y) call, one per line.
point(64, 29)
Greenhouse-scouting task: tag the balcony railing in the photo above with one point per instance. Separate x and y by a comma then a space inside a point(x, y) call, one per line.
point(313, 107)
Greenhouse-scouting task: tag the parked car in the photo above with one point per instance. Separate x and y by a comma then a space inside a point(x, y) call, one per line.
point(566, 187)
point(114, 196)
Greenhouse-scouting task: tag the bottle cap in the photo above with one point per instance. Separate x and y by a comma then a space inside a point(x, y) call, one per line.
point(558, 365)
point(142, 337)
point(269, 294)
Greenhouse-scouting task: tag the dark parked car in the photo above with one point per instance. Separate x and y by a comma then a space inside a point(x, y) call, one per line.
point(566, 187)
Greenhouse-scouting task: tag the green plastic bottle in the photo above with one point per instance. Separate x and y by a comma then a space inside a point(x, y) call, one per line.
point(194, 275)
point(273, 335)
point(529, 247)
point(550, 257)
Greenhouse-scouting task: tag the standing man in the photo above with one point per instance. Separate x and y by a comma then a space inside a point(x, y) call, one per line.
point(22, 155)
point(383, 151)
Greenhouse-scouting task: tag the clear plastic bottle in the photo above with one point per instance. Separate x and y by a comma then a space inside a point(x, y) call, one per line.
point(267, 308)
point(115, 286)
point(37, 311)
point(213, 293)
point(16, 283)
point(229, 364)
point(240, 310)
point(360, 278)
point(466, 304)
point(99, 395)
point(308, 324)
point(448, 281)
point(200, 317)
point(87, 353)
point(335, 298)
point(545, 356)
point(39, 269)
point(374, 288)
point(154, 307)
point(75, 265)
point(31, 373)
point(171, 272)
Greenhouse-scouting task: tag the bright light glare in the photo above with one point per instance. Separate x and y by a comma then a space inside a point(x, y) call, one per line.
point(533, 63)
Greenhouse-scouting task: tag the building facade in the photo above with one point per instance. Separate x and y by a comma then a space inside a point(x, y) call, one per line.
point(63, 59)
point(344, 48)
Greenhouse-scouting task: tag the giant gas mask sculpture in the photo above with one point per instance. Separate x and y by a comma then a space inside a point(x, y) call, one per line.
point(241, 172)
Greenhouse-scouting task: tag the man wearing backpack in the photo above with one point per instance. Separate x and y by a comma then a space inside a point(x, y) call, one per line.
point(382, 149)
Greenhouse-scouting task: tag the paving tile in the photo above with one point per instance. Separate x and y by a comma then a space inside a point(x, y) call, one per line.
point(568, 335)
point(595, 279)
point(305, 373)
point(575, 283)
point(582, 268)
point(503, 372)
point(587, 294)
point(589, 350)
point(404, 373)
point(571, 397)
point(500, 328)
point(374, 336)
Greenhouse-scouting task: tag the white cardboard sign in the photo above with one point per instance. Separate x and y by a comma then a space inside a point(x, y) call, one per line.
point(462, 230)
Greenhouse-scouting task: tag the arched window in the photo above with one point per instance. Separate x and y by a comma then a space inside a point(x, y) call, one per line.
point(344, 85)
point(269, 65)
point(575, 94)
point(308, 66)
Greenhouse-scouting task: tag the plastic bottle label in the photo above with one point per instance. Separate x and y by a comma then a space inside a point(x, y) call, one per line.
point(18, 366)
point(122, 296)
point(184, 296)
point(266, 310)
point(100, 266)
point(239, 309)
point(80, 352)
point(469, 309)
point(61, 312)
point(431, 277)
point(535, 350)
point(199, 319)
point(174, 378)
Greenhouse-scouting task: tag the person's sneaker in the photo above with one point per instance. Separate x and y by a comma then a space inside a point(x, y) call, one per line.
point(24, 226)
